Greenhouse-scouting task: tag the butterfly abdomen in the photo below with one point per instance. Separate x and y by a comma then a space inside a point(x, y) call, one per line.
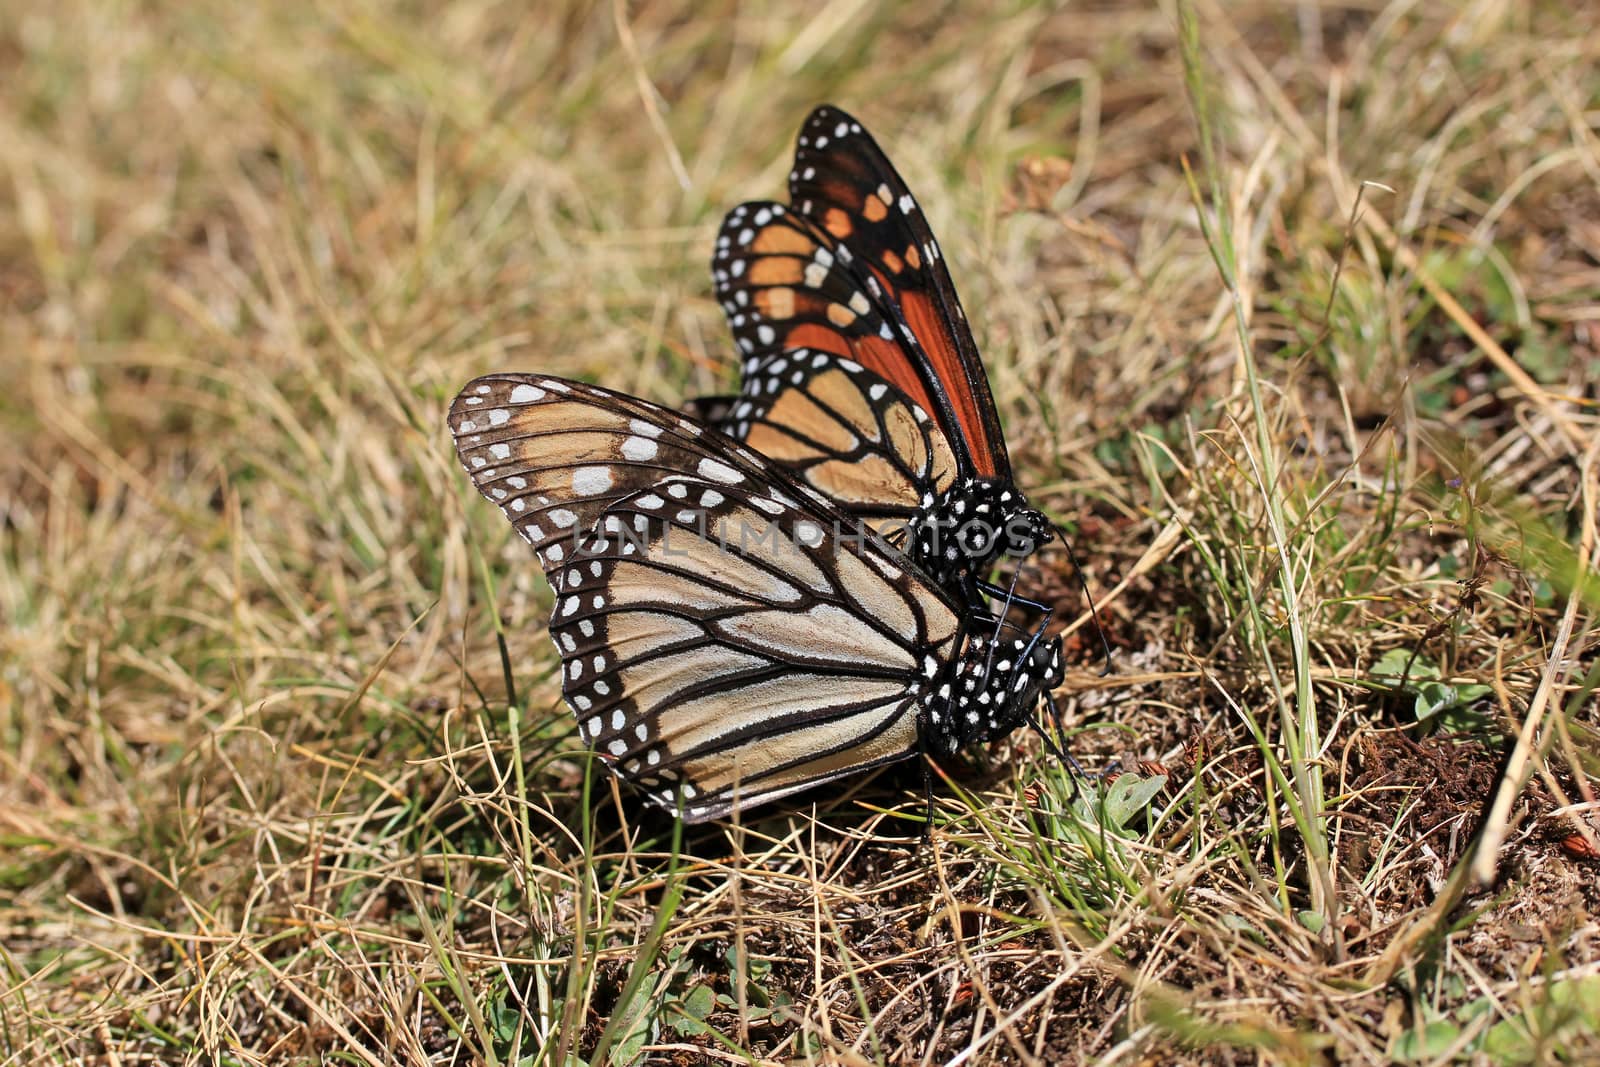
point(991, 690)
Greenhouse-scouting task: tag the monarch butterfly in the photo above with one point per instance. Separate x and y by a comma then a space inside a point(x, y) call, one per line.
point(860, 373)
point(728, 634)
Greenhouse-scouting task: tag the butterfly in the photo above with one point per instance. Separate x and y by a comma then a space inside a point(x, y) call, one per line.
point(728, 634)
point(859, 371)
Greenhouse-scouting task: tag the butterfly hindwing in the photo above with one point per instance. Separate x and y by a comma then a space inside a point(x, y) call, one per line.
point(731, 654)
point(844, 431)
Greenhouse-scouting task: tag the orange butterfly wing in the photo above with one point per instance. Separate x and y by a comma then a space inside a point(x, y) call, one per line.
point(851, 268)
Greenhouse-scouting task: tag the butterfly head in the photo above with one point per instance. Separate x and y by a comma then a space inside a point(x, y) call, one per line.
point(992, 689)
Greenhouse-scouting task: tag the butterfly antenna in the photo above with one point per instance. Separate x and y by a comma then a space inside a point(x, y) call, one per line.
point(1094, 612)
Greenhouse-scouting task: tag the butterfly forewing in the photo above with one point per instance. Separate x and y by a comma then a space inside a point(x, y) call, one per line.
point(554, 454)
point(845, 181)
point(851, 267)
point(722, 644)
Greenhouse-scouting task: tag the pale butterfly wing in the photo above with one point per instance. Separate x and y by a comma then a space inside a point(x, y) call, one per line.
point(721, 644)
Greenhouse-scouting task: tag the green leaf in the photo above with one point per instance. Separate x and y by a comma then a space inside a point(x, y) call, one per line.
point(1400, 670)
point(1399, 665)
point(631, 1050)
point(1128, 797)
point(1435, 698)
point(1433, 1041)
point(1567, 1009)
point(688, 1015)
point(1240, 925)
point(756, 972)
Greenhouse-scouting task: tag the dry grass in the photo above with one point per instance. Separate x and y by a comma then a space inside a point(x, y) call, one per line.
point(1331, 465)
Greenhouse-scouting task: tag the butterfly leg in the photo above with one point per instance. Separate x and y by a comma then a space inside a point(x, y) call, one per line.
point(1009, 596)
point(1000, 620)
point(1074, 768)
point(1057, 745)
point(927, 800)
point(925, 758)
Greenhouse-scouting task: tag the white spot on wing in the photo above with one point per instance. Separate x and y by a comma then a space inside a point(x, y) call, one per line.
point(718, 471)
point(639, 449)
point(589, 481)
point(526, 394)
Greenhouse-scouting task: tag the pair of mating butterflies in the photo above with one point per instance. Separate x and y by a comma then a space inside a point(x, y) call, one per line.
point(788, 587)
